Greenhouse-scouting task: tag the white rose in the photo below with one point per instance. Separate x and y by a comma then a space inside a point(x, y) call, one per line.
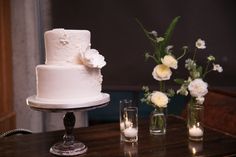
point(200, 100)
point(159, 99)
point(169, 61)
point(93, 59)
point(198, 88)
point(161, 72)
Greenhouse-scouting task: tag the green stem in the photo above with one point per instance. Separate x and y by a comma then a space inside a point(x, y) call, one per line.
point(194, 55)
point(154, 58)
point(206, 70)
point(161, 86)
point(185, 50)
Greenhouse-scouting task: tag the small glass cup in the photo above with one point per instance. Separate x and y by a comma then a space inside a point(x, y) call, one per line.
point(130, 149)
point(195, 122)
point(128, 121)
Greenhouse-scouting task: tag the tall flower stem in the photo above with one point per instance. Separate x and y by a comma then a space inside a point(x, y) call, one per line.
point(194, 54)
point(162, 86)
point(206, 70)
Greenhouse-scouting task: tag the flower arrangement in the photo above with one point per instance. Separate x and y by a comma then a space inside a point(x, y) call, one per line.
point(195, 84)
point(196, 87)
point(165, 61)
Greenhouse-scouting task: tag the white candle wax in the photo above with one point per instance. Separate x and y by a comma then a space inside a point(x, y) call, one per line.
point(195, 131)
point(130, 132)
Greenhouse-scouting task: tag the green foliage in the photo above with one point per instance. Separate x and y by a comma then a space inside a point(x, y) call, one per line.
point(159, 43)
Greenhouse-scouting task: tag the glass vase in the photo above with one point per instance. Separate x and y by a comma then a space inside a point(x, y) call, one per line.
point(195, 121)
point(158, 121)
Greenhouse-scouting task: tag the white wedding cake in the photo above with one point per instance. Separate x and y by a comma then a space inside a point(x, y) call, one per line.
point(72, 70)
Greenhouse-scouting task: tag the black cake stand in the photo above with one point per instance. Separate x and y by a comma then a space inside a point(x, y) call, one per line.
point(69, 146)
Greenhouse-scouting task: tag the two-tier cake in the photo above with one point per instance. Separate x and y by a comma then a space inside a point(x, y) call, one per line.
point(72, 70)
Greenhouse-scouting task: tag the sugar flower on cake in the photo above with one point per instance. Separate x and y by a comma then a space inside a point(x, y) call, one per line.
point(93, 59)
point(165, 61)
point(195, 84)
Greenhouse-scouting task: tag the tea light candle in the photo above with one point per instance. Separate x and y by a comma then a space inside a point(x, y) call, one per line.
point(130, 132)
point(195, 131)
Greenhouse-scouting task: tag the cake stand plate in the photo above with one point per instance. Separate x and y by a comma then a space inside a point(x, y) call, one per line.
point(36, 103)
point(69, 146)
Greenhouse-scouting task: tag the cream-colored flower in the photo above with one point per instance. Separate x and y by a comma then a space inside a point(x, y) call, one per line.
point(200, 44)
point(161, 72)
point(159, 99)
point(198, 88)
point(170, 61)
point(217, 67)
point(93, 59)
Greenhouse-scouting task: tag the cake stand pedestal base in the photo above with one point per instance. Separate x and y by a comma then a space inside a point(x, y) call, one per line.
point(61, 149)
point(68, 147)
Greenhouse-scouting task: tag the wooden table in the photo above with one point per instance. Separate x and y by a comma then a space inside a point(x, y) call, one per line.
point(104, 141)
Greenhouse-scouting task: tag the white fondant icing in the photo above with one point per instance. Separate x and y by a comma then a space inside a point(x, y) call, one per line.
point(67, 82)
point(63, 46)
point(65, 77)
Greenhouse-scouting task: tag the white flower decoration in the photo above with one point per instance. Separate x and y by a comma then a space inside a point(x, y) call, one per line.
point(200, 100)
point(217, 67)
point(159, 99)
point(200, 44)
point(170, 61)
point(93, 59)
point(154, 33)
point(198, 88)
point(168, 48)
point(161, 72)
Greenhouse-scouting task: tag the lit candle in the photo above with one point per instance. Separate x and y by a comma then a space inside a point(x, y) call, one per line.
point(195, 131)
point(130, 132)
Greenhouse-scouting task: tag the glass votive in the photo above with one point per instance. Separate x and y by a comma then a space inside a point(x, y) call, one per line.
point(128, 121)
point(195, 122)
point(130, 149)
point(195, 133)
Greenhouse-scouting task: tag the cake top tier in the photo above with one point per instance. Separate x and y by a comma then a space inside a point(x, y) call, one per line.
point(71, 47)
point(64, 46)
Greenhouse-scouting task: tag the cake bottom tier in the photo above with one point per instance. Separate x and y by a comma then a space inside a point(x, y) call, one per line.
point(62, 83)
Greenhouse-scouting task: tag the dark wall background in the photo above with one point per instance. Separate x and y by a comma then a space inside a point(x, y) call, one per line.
point(117, 36)
point(115, 33)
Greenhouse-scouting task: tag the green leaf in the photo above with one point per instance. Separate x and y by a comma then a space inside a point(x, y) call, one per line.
point(153, 41)
point(199, 69)
point(168, 35)
point(179, 81)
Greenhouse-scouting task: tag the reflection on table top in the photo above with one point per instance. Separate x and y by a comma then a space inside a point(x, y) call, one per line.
point(104, 140)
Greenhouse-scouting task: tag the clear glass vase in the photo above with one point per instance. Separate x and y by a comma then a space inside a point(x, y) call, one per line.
point(158, 121)
point(195, 121)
